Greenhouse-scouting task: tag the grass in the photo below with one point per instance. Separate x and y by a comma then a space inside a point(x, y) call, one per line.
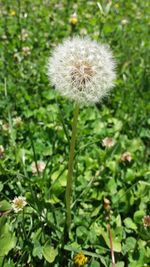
point(34, 236)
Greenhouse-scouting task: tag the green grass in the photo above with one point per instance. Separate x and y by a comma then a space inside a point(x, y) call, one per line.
point(34, 237)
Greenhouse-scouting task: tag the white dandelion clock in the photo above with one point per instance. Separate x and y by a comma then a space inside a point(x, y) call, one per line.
point(82, 70)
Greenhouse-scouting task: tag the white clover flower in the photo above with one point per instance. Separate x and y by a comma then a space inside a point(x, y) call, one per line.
point(82, 70)
point(38, 168)
point(18, 203)
point(26, 50)
point(17, 121)
point(108, 142)
point(126, 156)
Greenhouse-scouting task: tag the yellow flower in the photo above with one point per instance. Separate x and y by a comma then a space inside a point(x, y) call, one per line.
point(80, 259)
point(13, 13)
point(73, 19)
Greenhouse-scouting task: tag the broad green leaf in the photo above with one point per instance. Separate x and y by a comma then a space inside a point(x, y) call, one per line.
point(95, 264)
point(81, 231)
point(115, 239)
point(49, 253)
point(138, 215)
point(37, 251)
point(4, 205)
point(130, 175)
point(7, 240)
point(129, 244)
point(130, 224)
point(120, 264)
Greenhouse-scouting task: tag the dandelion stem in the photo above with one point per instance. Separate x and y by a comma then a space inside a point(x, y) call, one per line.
point(70, 168)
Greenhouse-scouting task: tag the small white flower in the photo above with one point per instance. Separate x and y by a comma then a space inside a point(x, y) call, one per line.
point(17, 121)
point(18, 203)
point(108, 142)
point(5, 127)
point(82, 70)
point(26, 50)
point(39, 168)
point(24, 34)
point(126, 156)
point(124, 21)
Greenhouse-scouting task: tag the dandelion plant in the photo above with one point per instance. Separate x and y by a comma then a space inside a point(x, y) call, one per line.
point(83, 71)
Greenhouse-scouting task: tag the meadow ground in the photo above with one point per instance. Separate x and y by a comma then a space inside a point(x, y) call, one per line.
point(110, 178)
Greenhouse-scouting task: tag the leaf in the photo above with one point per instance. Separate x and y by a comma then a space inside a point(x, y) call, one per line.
point(4, 205)
point(129, 244)
point(120, 264)
point(87, 253)
point(138, 215)
point(130, 224)
point(49, 253)
point(37, 251)
point(116, 241)
point(81, 232)
point(118, 221)
point(100, 7)
point(7, 239)
point(1, 186)
point(130, 175)
point(95, 264)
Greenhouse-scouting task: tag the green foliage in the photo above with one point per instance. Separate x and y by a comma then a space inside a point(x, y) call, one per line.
point(34, 236)
point(7, 238)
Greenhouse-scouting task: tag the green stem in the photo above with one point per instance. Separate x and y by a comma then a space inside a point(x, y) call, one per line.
point(70, 168)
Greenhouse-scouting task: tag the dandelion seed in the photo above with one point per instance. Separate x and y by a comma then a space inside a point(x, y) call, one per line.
point(126, 156)
point(80, 259)
point(18, 203)
point(108, 142)
point(82, 70)
point(38, 168)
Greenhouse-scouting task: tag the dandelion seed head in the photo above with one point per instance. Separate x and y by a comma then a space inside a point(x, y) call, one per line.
point(82, 70)
point(18, 203)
